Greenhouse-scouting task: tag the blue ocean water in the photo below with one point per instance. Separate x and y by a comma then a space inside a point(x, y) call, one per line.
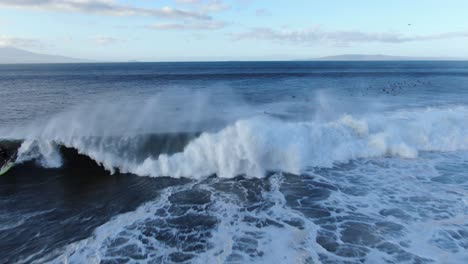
point(235, 162)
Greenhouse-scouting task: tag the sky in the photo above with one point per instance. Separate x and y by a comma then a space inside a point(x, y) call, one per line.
point(195, 30)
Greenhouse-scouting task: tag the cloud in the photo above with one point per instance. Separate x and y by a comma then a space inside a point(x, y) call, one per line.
point(103, 7)
point(262, 12)
point(188, 26)
point(207, 6)
point(105, 40)
point(214, 6)
point(187, 1)
point(19, 42)
point(341, 38)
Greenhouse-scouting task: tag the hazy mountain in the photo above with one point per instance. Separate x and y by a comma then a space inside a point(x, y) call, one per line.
point(10, 55)
point(378, 57)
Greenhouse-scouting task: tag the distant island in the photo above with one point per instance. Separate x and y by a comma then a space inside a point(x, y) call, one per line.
point(378, 57)
point(10, 55)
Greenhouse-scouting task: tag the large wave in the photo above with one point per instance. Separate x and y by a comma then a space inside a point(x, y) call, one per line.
point(255, 146)
point(259, 144)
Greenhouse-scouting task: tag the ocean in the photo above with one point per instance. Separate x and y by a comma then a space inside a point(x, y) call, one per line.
point(235, 162)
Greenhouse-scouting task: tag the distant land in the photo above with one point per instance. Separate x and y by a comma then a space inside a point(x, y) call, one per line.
point(10, 55)
point(379, 57)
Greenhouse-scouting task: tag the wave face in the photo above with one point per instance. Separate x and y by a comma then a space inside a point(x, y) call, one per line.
point(255, 146)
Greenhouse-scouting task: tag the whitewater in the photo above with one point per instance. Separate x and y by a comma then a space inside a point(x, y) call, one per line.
point(236, 162)
point(257, 145)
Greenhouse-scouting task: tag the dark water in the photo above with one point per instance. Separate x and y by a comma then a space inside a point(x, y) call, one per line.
point(263, 162)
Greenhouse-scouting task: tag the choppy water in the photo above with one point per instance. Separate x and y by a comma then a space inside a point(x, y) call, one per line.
point(262, 162)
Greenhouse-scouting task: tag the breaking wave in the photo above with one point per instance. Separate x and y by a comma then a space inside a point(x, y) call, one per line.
point(254, 146)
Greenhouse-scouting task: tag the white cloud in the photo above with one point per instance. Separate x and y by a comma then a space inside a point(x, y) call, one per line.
point(214, 6)
point(187, 1)
point(19, 42)
point(262, 12)
point(188, 26)
point(105, 40)
point(314, 36)
point(103, 7)
point(207, 6)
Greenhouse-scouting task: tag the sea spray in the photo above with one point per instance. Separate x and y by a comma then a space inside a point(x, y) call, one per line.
point(256, 145)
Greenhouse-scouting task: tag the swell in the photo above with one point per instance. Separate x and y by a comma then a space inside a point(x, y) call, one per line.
point(254, 146)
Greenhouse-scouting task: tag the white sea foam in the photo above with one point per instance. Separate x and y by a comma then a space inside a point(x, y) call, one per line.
point(256, 145)
point(46, 153)
point(378, 210)
point(235, 238)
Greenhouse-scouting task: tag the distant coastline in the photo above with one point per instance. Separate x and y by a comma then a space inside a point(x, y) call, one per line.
point(11, 55)
point(381, 57)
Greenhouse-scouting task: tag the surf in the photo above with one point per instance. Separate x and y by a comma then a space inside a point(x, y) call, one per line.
point(254, 146)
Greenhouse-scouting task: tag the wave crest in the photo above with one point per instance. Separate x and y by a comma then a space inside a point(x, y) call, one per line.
point(254, 146)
